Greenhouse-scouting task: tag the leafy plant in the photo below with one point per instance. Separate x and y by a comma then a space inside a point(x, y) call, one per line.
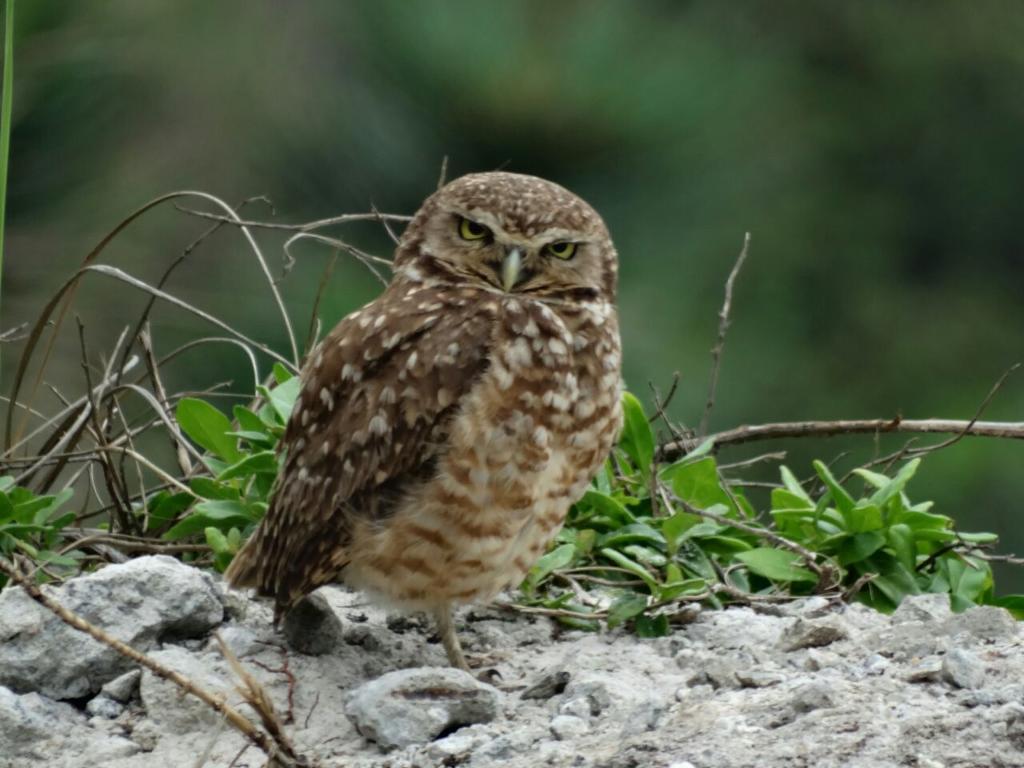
point(644, 541)
point(33, 525)
point(227, 505)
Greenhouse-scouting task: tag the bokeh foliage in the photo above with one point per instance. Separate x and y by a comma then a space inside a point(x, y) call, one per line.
point(872, 150)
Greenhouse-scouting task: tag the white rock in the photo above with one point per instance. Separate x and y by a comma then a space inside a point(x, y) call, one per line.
point(413, 706)
point(813, 633)
point(124, 687)
point(35, 730)
point(577, 707)
point(139, 602)
point(169, 708)
point(102, 706)
point(568, 727)
point(963, 669)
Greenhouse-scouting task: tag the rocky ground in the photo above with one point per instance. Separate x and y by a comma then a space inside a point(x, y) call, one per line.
point(801, 685)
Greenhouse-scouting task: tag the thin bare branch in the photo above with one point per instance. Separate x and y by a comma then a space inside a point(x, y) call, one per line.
point(280, 751)
point(723, 327)
point(308, 226)
point(366, 259)
point(751, 433)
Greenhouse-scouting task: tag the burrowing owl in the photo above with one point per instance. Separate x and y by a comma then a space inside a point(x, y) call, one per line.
point(444, 429)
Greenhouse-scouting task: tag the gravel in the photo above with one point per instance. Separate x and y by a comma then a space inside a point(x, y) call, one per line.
point(796, 685)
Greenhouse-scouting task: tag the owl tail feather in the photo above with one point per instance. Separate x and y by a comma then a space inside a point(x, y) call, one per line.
point(243, 571)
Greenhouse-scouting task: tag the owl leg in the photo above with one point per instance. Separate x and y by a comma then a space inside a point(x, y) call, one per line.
point(450, 640)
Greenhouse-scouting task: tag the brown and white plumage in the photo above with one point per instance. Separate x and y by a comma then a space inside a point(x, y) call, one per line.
point(444, 429)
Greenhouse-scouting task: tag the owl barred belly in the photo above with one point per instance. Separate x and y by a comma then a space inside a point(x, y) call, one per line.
point(443, 430)
point(530, 436)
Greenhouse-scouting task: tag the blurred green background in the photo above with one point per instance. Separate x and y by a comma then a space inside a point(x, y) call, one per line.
point(873, 150)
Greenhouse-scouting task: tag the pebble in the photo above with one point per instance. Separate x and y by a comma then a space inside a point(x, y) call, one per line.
point(124, 687)
point(963, 669)
point(414, 706)
point(813, 633)
point(101, 706)
point(568, 727)
point(312, 627)
point(924, 670)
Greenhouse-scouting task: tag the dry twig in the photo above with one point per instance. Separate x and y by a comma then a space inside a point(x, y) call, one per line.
point(276, 748)
point(723, 327)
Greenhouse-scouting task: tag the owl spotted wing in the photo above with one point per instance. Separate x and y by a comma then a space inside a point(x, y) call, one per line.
point(371, 417)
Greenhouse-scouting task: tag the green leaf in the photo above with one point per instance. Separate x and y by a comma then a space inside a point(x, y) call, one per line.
point(552, 561)
point(877, 479)
point(783, 499)
point(968, 577)
point(775, 564)
point(282, 398)
point(625, 608)
point(607, 505)
point(218, 541)
point(860, 546)
point(675, 588)
point(282, 374)
point(220, 513)
point(256, 438)
point(207, 427)
point(895, 580)
point(263, 462)
point(632, 566)
point(645, 555)
point(901, 542)
point(209, 488)
point(673, 528)
point(843, 500)
point(894, 486)
point(249, 421)
point(1013, 603)
point(793, 485)
point(637, 438)
point(649, 627)
point(698, 484)
point(631, 534)
point(863, 517)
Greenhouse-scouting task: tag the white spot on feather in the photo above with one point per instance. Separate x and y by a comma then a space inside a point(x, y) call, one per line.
point(327, 399)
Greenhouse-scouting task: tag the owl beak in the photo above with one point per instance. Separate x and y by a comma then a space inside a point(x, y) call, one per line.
point(511, 266)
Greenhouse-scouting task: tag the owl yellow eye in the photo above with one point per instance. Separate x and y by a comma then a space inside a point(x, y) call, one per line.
point(470, 230)
point(562, 251)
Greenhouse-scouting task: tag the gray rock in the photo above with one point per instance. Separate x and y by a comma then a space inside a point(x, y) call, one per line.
point(926, 607)
point(124, 687)
point(594, 691)
point(925, 670)
point(550, 684)
point(35, 730)
point(985, 622)
point(241, 640)
point(140, 602)
point(814, 695)
point(168, 707)
point(102, 706)
point(758, 678)
point(875, 664)
point(413, 706)
point(810, 607)
point(312, 626)
point(454, 749)
point(813, 633)
point(566, 727)
point(578, 707)
point(963, 669)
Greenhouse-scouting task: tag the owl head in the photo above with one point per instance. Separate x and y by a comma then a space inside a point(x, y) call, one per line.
point(510, 233)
